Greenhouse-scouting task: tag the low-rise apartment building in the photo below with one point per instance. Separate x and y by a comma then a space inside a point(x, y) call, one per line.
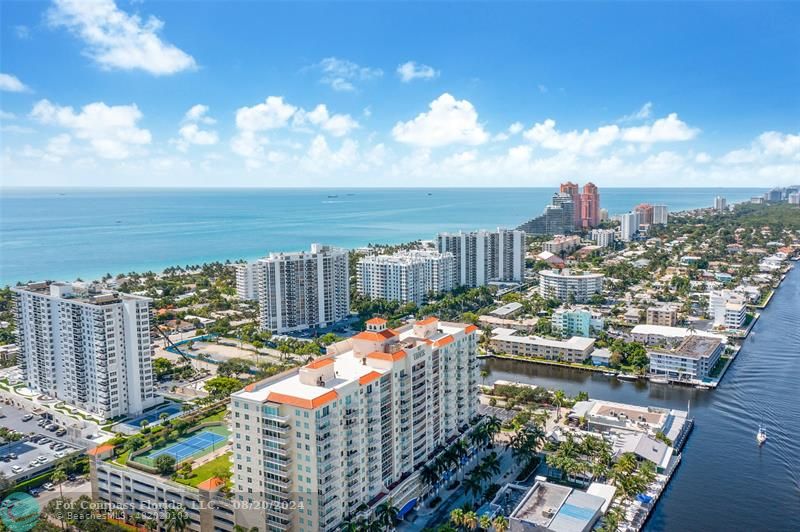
point(663, 335)
point(350, 430)
point(728, 308)
point(509, 341)
point(569, 287)
point(666, 315)
point(692, 360)
point(562, 245)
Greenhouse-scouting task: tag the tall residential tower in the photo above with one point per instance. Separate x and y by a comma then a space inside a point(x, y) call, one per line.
point(334, 439)
point(89, 348)
point(484, 256)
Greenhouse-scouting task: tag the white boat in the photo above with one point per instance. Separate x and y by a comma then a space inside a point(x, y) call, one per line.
point(626, 377)
point(761, 437)
point(609, 373)
point(659, 380)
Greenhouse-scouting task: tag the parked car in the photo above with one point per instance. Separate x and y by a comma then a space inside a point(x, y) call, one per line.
point(61, 432)
point(52, 428)
point(49, 486)
point(44, 441)
point(60, 447)
point(27, 417)
point(16, 469)
point(13, 456)
point(60, 454)
point(33, 463)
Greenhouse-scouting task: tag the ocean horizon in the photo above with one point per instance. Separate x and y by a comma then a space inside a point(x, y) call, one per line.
point(66, 233)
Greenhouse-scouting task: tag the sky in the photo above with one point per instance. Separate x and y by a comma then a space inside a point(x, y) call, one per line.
point(259, 94)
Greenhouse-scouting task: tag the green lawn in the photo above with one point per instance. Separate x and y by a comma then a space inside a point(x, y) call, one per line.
point(123, 458)
point(219, 416)
point(207, 470)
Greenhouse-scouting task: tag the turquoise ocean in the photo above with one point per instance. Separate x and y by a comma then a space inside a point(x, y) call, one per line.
point(63, 234)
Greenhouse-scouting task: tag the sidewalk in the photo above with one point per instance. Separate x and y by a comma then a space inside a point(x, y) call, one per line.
point(452, 499)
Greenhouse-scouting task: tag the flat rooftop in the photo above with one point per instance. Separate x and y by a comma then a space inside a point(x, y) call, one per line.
point(80, 292)
point(695, 346)
point(347, 368)
point(510, 335)
point(505, 310)
point(558, 508)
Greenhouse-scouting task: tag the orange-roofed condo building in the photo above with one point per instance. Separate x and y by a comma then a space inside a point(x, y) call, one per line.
point(345, 433)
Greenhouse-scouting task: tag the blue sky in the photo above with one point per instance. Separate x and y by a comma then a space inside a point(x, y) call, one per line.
point(391, 94)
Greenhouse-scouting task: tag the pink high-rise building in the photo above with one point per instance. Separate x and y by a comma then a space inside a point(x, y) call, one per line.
point(590, 206)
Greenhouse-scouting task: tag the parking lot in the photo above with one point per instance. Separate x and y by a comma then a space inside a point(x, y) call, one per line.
point(38, 452)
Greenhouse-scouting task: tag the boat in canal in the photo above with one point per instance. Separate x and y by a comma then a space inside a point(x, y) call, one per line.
point(761, 437)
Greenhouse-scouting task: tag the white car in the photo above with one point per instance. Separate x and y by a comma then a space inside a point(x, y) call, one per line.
point(41, 458)
point(16, 469)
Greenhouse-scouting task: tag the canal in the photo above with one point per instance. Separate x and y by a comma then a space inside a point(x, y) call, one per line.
point(725, 481)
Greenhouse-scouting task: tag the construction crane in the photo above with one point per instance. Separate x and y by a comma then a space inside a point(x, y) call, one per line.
point(172, 344)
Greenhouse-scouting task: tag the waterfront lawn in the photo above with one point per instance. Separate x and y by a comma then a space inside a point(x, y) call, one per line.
point(207, 470)
point(717, 369)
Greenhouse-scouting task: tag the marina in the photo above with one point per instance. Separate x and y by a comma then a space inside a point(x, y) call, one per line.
point(722, 456)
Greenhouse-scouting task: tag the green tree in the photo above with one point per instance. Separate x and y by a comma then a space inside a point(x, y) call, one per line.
point(165, 464)
point(176, 519)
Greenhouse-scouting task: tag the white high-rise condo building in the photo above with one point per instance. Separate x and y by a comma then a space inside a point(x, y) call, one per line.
point(628, 226)
point(484, 256)
point(89, 348)
point(338, 437)
point(569, 287)
point(247, 281)
point(299, 290)
point(603, 237)
point(407, 276)
point(660, 214)
point(720, 204)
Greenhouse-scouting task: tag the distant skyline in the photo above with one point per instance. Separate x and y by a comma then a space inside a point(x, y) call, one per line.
point(339, 94)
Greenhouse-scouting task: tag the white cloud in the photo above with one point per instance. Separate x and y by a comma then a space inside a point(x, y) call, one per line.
point(776, 143)
point(11, 83)
point(513, 129)
point(116, 40)
point(669, 129)
point(190, 132)
point(547, 136)
point(702, 158)
point(449, 121)
point(198, 113)
point(111, 131)
point(337, 125)
point(412, 70)
point(5, 115)
point(272, 114)
point(321, 158)
point(342, 75)
point(644, 112)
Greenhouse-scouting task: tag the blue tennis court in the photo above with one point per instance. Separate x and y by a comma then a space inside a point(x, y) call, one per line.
point(190, 446)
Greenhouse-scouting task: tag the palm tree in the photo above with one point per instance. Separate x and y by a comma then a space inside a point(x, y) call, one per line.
point(491, 464)
point(493, 427)
point(500, 524)
point(429, 475)
point(59, 476)
point(484, 373)
point(485, 522)
point(457, 517)
point(471, 520)
point(473, 484)
point(176, 520)
point(387, 515)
